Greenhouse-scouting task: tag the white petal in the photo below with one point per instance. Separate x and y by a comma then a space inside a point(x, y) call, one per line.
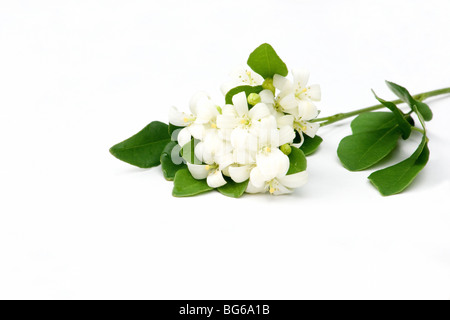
point(312, 128)
point(256, 178)
point(267, 96)
point(206, 112)
point(259, 111)
point(301, 77)
point(177, 118)
point(243, 157)
point(226, 121)
point(272, 164)
point(198, 151)
point(240, 103)
point(252, 189)
point(239, 138)
point(295, 180)
point(198, 171)
point(287, 135)
point(307, 110)
point(196, 99)
point(314, 92)
point(184, 136)
point(281, 83)
point(226, 172)
point(229, 110)
point(239, 173)
point(268, 134)
point(287, 120)
point(289, 102)
point(225, 160)
point(215, 179)
point(197, 131)
point(280, 189)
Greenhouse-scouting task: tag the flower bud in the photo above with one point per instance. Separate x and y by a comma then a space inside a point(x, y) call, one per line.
point(253, 99)
point(268, 85)
point(286, 149)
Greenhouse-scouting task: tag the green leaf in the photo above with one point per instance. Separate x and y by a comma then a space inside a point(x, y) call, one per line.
point(186, 186)
point(297, 161)
point(247, 89)
point(310, 145)
point(405, 96)
point(373, 121)
point(170, 154)
point(144, 148)
point(424, 110)
point(397, 178)
point(403, 124)
point(233, 189)
point(265, 61)
point(362, 150)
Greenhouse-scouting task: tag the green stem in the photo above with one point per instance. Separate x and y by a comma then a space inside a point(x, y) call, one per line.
point(342, 116)
point(422, 131)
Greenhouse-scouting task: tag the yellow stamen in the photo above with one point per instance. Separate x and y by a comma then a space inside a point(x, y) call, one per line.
point(304, 90)
point(207, 167)
point(243, 121)
point(268, 149)
point(303, 128)
point(248, 73)
point(213, 125)
point(185, 119)
point(272, 190)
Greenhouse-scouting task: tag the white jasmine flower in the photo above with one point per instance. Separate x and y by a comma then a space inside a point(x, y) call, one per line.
point(241, 77)
point(297, 90)
point(280, 185)
point(307, 111)
point(182, 119)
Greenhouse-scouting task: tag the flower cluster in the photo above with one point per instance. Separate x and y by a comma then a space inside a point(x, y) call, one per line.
point(251, 138)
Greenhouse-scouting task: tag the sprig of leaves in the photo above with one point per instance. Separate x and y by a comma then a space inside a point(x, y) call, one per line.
point(156, 143)
point(375, 135)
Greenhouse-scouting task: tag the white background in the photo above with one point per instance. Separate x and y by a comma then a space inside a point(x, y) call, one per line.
point(77, 77)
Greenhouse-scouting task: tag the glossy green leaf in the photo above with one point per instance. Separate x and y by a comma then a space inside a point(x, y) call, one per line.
point(171, 160)
point(185, 185)
point(297, 161)
point(403, 124)
point(397, 178)
point(362, 150)
point(266, 62)
point(310, 145)
point(144, 148)
point(373, 121)
point(233, 189)
point(247, 89)
point(405, 96)
point(424, 110)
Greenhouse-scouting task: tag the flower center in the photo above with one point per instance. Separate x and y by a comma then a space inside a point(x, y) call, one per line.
point(272, 186)
point(189, 119)
point(299, 93)
point(211, 167)
point(300, 125)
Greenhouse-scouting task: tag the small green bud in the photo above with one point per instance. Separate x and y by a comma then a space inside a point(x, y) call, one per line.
point(253, 99)
point(286, 149)
point(268, 85)
point(219, 109)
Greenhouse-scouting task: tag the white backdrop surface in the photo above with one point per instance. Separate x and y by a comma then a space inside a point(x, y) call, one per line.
point(77, 77)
